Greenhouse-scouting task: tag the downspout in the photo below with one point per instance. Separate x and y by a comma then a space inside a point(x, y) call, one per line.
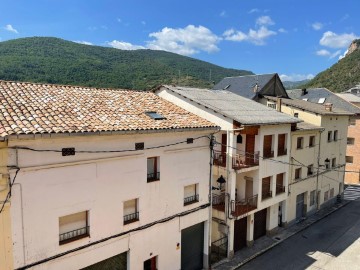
point(212, 140)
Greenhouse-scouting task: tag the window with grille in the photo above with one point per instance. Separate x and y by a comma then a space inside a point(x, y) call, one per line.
point(153, 169)
point(131, 213)
point(191, 194)
point(73, 227)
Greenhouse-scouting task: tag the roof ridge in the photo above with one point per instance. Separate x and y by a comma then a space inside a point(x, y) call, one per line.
point(72, 86)
point(251, 75)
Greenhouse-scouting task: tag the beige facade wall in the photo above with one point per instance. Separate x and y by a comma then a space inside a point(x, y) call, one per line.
point(50, 186)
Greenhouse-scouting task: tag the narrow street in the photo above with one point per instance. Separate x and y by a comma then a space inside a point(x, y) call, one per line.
point(332, 243)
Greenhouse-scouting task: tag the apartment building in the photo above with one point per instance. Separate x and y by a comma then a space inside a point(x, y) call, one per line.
point(250, 164)
point(346, 102)
point(101, 179)
point(329, 168)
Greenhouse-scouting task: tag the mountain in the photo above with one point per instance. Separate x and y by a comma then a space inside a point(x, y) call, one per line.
point(53, 60)
point(342, 75)
point(294, 84)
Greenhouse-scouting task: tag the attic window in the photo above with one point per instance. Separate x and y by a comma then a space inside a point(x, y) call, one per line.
point(321, 100)
point(155, 115)
point(226, 87)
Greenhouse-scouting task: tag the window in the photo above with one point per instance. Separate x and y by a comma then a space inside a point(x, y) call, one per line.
point(321, 100)
point(350, 141)
point(335, 135)
point(280, 188)
point(271, 105)
point(155, 115)
point(326, 195)
point(331, 192)
point(297, 173)
point(312, 198)
point(299, 143)
point(296, 115)
point(131, 213)
point(73, 227)
point(268, 151)
point(190, 194)
point(349, 159)
point(151, 264)
point(310, 169)
point(239, 139)
point(153, 169)
point(333, 163)
point(266, 184)
point(352, 121)
point(282, 145)
point(329, 136)
point(312, 141)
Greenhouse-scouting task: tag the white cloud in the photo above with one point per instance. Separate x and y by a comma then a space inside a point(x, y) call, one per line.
point(124, 45)
point(256, 37)
point(10, 28)
point(282, 30)
point(264, 20)
point(343, 55)
point(83, 42)
point(253, 10)
point(335, 54)
point(323, 52)
point(317, 26)
point(296, 77)
point(143, 22)
point(186, 41)
point(333, 40)
point(119, 20)
point(223, 13)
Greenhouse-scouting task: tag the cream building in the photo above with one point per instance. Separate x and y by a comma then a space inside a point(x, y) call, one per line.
point(101, 178)
point(317, 175)
point(251, 164)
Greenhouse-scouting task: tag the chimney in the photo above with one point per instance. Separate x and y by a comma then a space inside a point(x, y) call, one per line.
point(278, 104)
point(304, 91)
point(328, 106)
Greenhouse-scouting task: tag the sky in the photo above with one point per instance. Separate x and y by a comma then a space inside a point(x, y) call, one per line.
point(296, 39)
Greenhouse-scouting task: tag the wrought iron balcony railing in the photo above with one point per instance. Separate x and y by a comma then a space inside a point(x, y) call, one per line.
point(74, 235)
point(191, 199)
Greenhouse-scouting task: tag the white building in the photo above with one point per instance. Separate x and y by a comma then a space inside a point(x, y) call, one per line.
point(252, 157)
point(111, 178)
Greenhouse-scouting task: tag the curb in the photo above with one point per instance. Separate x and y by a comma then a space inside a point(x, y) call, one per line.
point(288, 236)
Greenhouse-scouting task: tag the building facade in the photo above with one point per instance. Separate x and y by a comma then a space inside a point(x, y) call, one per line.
point(128, 191)
point(250, 164)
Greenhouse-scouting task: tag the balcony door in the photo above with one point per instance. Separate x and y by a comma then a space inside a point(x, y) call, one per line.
point(250, 149)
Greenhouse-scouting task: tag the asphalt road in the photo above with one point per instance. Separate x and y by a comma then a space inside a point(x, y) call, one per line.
point(332, 243)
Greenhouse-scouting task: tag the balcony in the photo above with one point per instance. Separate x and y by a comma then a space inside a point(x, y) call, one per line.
point(268, 153)
point(245, 161)
point(266, 195)
point(218, 201)
point(151, 177)
point(219, 158)
point(130, 218)
point(282, 152)
point(244, 206)
point(280, 189)
point(74, 235)
point(191, 199)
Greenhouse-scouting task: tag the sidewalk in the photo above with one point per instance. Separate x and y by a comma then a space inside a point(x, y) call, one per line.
point(265, 243)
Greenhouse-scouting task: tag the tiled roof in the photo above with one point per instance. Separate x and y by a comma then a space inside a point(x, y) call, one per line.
point(349, 97)
point(238, 108)
point(310, 107)
point(29, 108)
point(314, 95)
point(307, 126)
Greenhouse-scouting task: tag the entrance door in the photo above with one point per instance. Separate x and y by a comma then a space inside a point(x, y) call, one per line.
point(240, 229)
point(260, 223)
point(192, 247)
point(250, 148)
point(150, 264)
point(299, 206)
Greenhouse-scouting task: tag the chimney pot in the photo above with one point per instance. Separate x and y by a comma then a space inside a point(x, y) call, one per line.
point(328, 106)
point(303, 91)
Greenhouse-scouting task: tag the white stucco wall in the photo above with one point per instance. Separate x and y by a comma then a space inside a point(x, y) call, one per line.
point(49, 186)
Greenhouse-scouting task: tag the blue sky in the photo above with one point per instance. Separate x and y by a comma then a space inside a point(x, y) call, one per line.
point(296, 39)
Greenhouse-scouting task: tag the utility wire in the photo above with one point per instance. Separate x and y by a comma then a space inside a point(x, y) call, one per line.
point(8, 196)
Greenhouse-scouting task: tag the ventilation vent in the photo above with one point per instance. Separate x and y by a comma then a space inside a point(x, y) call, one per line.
point(68, 151)
point(189, 140)
point(139, 146)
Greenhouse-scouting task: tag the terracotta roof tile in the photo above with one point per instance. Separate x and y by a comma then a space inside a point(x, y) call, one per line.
point(42, 108)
